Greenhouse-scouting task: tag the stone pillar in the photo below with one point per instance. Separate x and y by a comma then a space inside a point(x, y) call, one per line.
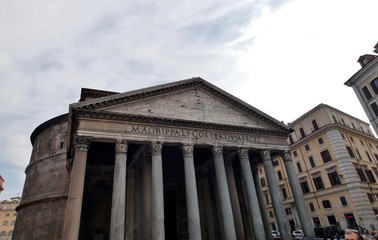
point(194, 225)
point(157, 225)
point(299, 202)
point(137, 227)
point(275, 194)
point(253, 202)
point(75, 195)
point(224, 194)
point(260, 197)
point(117, 220)
point(146, 184)
point(234, 200)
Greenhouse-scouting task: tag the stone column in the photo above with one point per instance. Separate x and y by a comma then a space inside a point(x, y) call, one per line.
point(275, 194)
point(194, 225)
point(117, 220)
point(224, 194)
point(253, 202)
point(157, 225)
point(299, 201)
point(260, 197)
point(75, 195)
point(146, 184)
point(234, 200)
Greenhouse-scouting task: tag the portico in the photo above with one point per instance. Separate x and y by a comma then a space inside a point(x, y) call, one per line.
point(172, 162)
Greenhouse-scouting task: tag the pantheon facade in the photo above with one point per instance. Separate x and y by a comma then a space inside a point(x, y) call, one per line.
point(173, 161)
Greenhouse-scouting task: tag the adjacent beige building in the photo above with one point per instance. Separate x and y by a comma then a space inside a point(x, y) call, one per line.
point(365, 84)
point(335, 157)
point(8, 216)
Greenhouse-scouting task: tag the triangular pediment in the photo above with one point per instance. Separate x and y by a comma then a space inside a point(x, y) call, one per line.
point(190, 100)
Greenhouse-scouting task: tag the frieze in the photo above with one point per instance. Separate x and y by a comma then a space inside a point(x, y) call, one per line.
point(194, 134)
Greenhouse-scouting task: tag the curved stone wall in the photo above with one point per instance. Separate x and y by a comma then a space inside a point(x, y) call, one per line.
point(41, 211)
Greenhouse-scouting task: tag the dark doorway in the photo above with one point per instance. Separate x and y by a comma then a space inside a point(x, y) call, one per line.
point(171, 215)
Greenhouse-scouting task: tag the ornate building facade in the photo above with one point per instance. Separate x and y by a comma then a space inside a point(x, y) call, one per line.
point(173, 161)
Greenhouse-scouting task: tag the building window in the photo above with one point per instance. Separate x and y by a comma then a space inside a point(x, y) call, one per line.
point(374, 107)
point(370, 176)
point(312, 208)
point(266, 195)
point(371, 197)
point(351, 139)
point(307, 147)
point(270, 214)
point(358, 153)
point(302, 133)
point(275, 163)
point(304, 186)
point(2, 234)
point(299, 167)
point(295, 154)
point(350, 152)
point(284, 193)
point(374, 85)
point(376, 157)
point(318, 182)
point(343, 201)
point(342, 136)
point(362, 142)
point(361, 174)
point(13, 222)
point(354, 127)
point(334, 178)
point(7, 214)
point(311, 160)
point(279, 175)
point(5, 223)
point(288, 211)
point(326, 204)
point(367, 93)
point(315, 125)
point(368, 155)
point(320, 141)
point(262, 181)
point(316, 221)
point(326, 156)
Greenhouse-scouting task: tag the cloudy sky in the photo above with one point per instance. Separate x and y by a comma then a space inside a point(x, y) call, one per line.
point(282, 57)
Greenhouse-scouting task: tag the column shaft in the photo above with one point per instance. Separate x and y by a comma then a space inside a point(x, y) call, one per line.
point(276, 197)
point(260, 197)
point(224, 194)
point(117, 220)
point(194, 225)
point(253, 203)
point(75, 196)
point(304, 217)
point(157, 225)
point(235, 201)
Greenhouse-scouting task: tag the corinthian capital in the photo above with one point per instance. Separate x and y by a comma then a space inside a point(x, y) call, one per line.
point(121, 146)
point(265, 154)
point(156, 148)
point(187, 150)
point(243, 153)
point(286, 155)
point(218, 151)
point(81, 143)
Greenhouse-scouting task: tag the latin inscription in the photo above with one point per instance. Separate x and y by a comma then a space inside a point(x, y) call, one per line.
point(194, 134)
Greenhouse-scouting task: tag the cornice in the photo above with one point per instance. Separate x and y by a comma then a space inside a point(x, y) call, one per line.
point(52, 122)
point(326, 128)
point(92, 114)
point(40, 201)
